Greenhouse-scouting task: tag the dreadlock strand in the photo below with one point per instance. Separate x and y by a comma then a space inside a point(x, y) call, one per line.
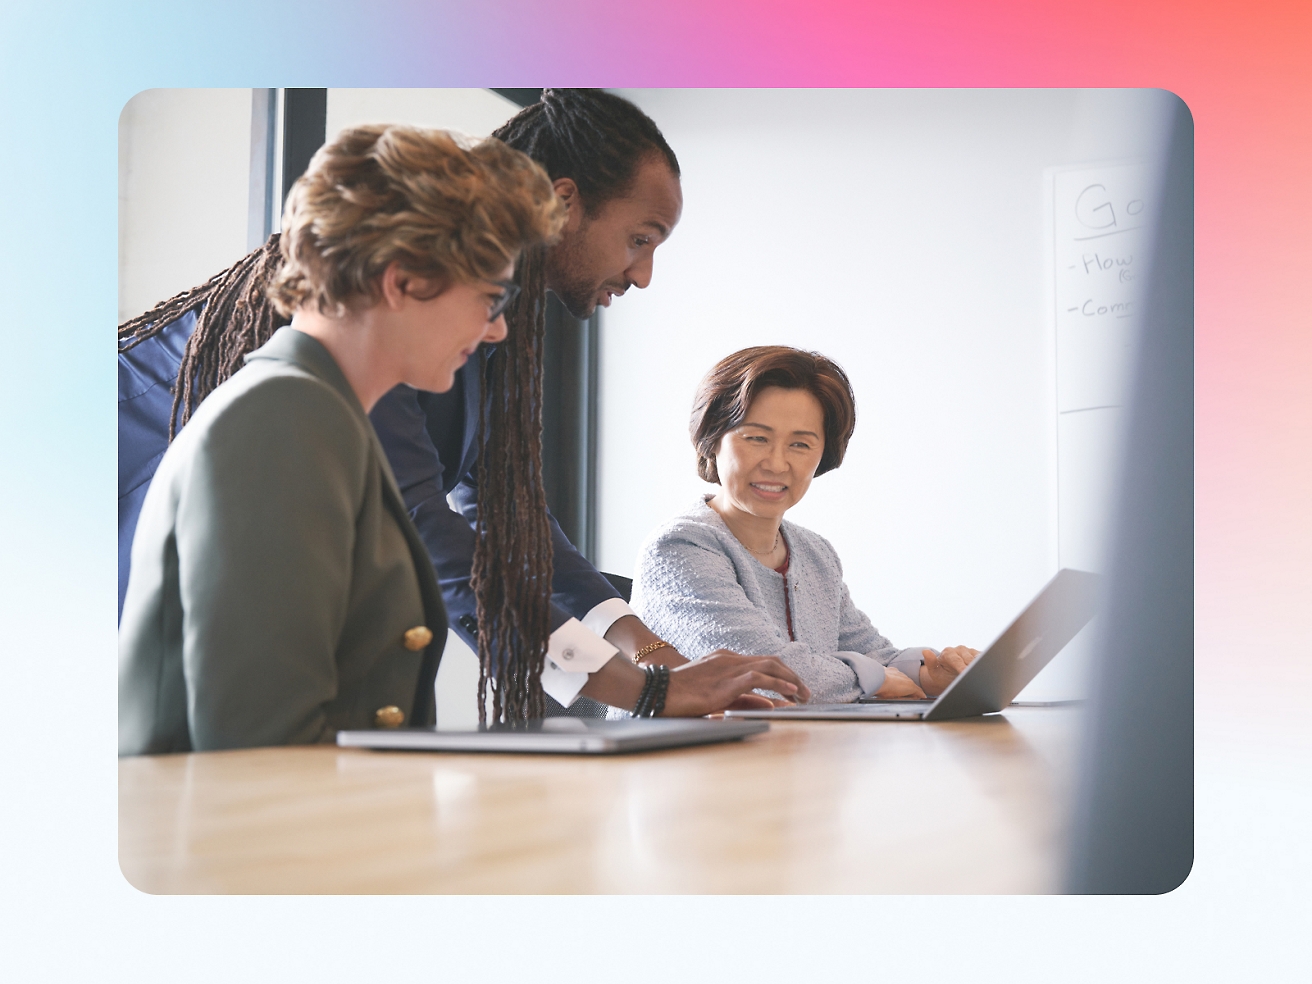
point(235, 318)
point(511, 575)
point(598, 140)
point(145, 326)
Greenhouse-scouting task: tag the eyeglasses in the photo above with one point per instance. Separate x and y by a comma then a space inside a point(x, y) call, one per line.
point(510, 292)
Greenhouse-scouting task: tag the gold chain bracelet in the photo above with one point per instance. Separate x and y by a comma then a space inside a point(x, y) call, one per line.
point(649, 649)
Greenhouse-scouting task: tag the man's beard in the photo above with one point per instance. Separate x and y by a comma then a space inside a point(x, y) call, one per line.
point(577, 294)
point(579, 299)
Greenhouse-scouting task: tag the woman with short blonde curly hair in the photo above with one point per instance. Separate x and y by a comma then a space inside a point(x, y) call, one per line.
point(446, 210)
point(279, 591)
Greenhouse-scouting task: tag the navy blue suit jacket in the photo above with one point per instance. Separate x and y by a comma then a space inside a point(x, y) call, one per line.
point(431, 444)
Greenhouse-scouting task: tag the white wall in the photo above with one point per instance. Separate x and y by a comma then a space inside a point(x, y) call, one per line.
point(183, 189)
point(476, 112)
point(904, 234)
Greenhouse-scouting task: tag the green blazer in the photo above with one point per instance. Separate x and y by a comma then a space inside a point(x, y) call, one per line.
point(279, 591)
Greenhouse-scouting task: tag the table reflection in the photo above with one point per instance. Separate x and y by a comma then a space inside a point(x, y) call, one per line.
point(965, 806)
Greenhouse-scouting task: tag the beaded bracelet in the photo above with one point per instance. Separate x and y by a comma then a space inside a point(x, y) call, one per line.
point(651, 701)
point(662, 687)
point(644, 696)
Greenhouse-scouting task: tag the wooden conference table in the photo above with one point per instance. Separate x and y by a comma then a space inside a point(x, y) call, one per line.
point(975, 806)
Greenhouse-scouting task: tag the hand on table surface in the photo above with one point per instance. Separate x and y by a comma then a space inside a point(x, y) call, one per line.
point(939, 671)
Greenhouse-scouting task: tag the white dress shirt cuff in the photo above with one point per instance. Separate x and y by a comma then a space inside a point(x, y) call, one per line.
point(603, 616)
point(560, 686)
point(572, 653)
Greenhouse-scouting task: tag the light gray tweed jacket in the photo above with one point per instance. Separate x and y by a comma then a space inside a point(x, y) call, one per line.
point(699, 589)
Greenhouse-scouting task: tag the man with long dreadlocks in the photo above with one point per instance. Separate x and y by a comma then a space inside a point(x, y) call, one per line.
point(543, 621)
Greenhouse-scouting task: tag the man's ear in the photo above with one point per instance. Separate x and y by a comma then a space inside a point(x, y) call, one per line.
point(568, 192)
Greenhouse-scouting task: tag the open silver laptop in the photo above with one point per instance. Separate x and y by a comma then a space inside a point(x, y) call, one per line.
point(579, 736)
point(996, 676)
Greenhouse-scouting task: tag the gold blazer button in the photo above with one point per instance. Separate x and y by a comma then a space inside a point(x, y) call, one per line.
point(389, 717)
point(418, 637)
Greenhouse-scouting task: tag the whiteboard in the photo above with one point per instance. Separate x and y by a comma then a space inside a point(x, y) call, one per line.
point(1101, 232)
point(1100, 238)
point(1101, 216)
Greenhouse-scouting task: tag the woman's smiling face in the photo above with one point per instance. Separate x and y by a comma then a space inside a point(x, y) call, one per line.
point(767, 462)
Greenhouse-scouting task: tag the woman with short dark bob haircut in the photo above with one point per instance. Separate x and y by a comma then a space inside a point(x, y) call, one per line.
point(732, 573)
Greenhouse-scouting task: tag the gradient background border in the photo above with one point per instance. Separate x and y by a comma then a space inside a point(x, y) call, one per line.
point(1244, 69)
